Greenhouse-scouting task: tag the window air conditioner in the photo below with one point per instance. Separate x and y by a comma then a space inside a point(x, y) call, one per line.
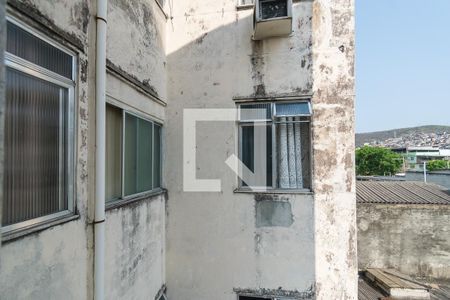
point(272, 18)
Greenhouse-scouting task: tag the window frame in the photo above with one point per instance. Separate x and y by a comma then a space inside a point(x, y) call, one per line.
point(273, 123)
point(28, 68)
point(262, 297)
point(126, 198)
point(240, 5)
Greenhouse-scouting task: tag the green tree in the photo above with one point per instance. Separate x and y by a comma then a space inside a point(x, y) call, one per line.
point(377, 161)
point(434, 165)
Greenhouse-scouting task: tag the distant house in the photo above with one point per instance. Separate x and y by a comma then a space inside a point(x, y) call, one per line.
point(404, 226)
point(416, 156)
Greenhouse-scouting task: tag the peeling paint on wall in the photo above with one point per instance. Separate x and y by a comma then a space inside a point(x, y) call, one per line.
point(273, 213)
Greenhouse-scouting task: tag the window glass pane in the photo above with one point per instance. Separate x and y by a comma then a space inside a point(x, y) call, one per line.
point(35, 148)
point(33, 49)
point(144, 156)
point(138, 155)
point(113, 153)
point(305, 136)
point(293, 109)
point(157, 157)
point(130, 155)
point(248, 151)
point(250, 112)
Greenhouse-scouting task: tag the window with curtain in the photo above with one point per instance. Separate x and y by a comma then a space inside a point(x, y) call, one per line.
point(133, 155)
point(287, 149)
point(39, 117)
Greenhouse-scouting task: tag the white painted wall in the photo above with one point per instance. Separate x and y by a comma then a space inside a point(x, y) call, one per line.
point(334, 181)
point(135, 249)
point(203, 57)
point(213, 242)
point(57, 263)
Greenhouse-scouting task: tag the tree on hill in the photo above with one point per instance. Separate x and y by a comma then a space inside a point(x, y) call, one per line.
point(434, 165)
point(377, 161)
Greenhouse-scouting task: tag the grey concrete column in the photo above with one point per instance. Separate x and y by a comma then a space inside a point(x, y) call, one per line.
point(333, 151)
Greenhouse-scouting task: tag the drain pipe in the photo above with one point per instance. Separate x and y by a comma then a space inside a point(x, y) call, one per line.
point(99, 218)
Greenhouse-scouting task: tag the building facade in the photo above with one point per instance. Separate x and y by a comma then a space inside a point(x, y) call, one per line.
point(294, 238)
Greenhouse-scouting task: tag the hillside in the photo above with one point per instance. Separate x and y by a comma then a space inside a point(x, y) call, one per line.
point(431, 135)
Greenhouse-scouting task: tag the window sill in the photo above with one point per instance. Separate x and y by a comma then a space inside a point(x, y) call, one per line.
point(143, 196)
point(24, 231)
point(274, 191)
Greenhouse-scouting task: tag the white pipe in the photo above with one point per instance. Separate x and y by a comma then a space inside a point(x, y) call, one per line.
point(99, 218)
point(424, 171)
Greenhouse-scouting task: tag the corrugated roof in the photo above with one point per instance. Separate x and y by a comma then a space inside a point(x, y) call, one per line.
point(401, 192)
point(368, 292)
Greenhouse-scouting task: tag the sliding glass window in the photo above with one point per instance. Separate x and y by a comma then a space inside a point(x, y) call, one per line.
point(39, 125)
point(133, 153)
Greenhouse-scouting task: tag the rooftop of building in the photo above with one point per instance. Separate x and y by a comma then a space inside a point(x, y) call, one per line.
point(401, 192)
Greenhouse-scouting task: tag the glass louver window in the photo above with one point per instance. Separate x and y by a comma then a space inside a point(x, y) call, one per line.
point(38, 131)
point(287, 146)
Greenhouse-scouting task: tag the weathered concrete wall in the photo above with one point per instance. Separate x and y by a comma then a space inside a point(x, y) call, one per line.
point(216, 241)
point(441, 178)
point(57, 263)
point(135, 249)
point(136, 41)
point(333, 149)
point(52, 263)
point(136, 82)
point(414, 239)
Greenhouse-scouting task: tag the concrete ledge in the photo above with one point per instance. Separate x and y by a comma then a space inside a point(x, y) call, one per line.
point(142, 197)
point(16, 234)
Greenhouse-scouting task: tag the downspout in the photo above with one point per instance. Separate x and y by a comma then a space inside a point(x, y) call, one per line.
point(100, 128)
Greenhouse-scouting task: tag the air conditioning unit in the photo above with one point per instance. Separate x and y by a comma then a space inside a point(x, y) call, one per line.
point(272, 18)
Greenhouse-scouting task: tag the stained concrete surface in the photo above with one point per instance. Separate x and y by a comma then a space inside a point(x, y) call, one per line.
point(414, 239)
point(273, 213)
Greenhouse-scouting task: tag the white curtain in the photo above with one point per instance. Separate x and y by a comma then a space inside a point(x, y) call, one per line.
point(289, 151)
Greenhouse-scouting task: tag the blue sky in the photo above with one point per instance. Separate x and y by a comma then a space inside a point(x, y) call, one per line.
point(402, 63)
